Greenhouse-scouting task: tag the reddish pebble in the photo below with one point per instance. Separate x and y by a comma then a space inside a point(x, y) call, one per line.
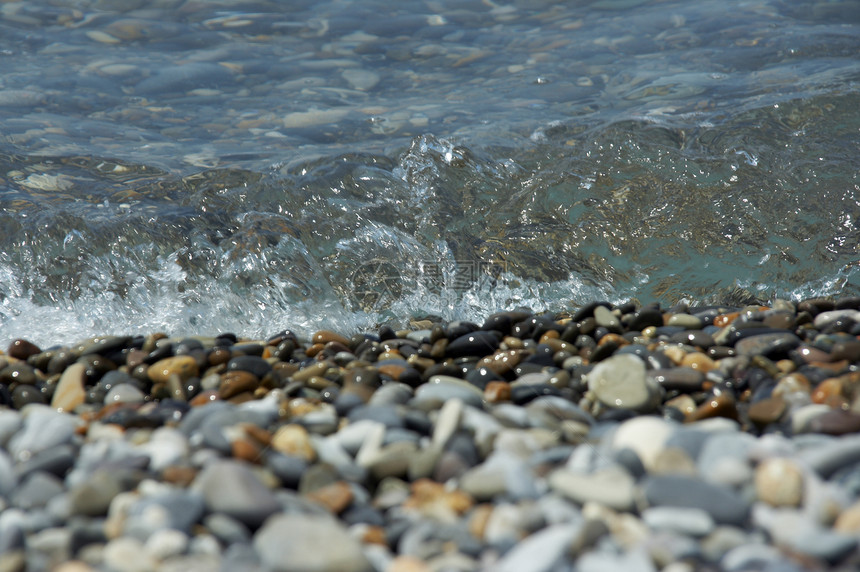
point(22, 349)
point(204, 397)
point(497, 391)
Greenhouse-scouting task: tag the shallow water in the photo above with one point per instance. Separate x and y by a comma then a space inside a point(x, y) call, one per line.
point(198, 167)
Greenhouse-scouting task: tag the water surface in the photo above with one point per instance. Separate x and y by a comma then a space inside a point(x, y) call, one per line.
point(199, 167)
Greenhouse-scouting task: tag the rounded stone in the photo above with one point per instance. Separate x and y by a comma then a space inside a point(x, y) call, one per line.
point(232, 488)
point(294, 440)
point(124, 393)
point(619, 382)
point(646, 436)
point(183, 366)
point(310, 543)
point(235, 382)
point(22, 349)
point(255, 365)
point(721, 502)
point(326, 336)
point(767, 411)
point(779, 482)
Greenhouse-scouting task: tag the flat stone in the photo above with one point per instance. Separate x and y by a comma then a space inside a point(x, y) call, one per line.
point(685, 379)
point(620, 382)
point(767, 344)
point(687, 322)
point(441, 388)
point(544, 550)
point(824, 319)
point(828, 458)
point(835, 422)
point(724, 506)
point(309, 543)
point(690, 521)
point(232, 488)
point(478, 344)
point(612, 487)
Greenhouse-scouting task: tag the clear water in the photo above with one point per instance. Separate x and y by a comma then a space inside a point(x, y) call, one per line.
point(247, 166)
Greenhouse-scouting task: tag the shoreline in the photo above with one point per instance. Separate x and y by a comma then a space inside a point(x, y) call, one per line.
point(646, 438)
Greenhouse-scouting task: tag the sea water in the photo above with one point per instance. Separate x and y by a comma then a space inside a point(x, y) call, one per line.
point(197, 167)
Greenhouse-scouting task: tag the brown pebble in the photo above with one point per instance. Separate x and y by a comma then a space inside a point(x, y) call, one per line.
point(724, 320)
point(326, 336)
point(786, 366)
point(828, 391)
point(373, 534)
point(334, 497)
point(846, 350)
point(257, 433)
point(434, 499)
point(246, 450)
point(699, 361)
point(204, 397)
point(478, 520)
point(769, 410)
point(183, 366)
point(502, 361)
point(810, 354)
point(722, 405)
point(22, 349)
point(219, 356)
point(235, 382)
point(179, 475)
point(314, 350)
point(497, 391)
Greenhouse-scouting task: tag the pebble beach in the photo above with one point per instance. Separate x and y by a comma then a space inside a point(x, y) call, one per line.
point(612, 437)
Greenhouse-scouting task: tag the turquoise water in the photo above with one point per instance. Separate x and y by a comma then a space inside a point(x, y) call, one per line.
point(198, 167)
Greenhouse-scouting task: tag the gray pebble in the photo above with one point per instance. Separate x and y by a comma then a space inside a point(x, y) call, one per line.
point(309, 543)
point(724, 506)
point(230, 487)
